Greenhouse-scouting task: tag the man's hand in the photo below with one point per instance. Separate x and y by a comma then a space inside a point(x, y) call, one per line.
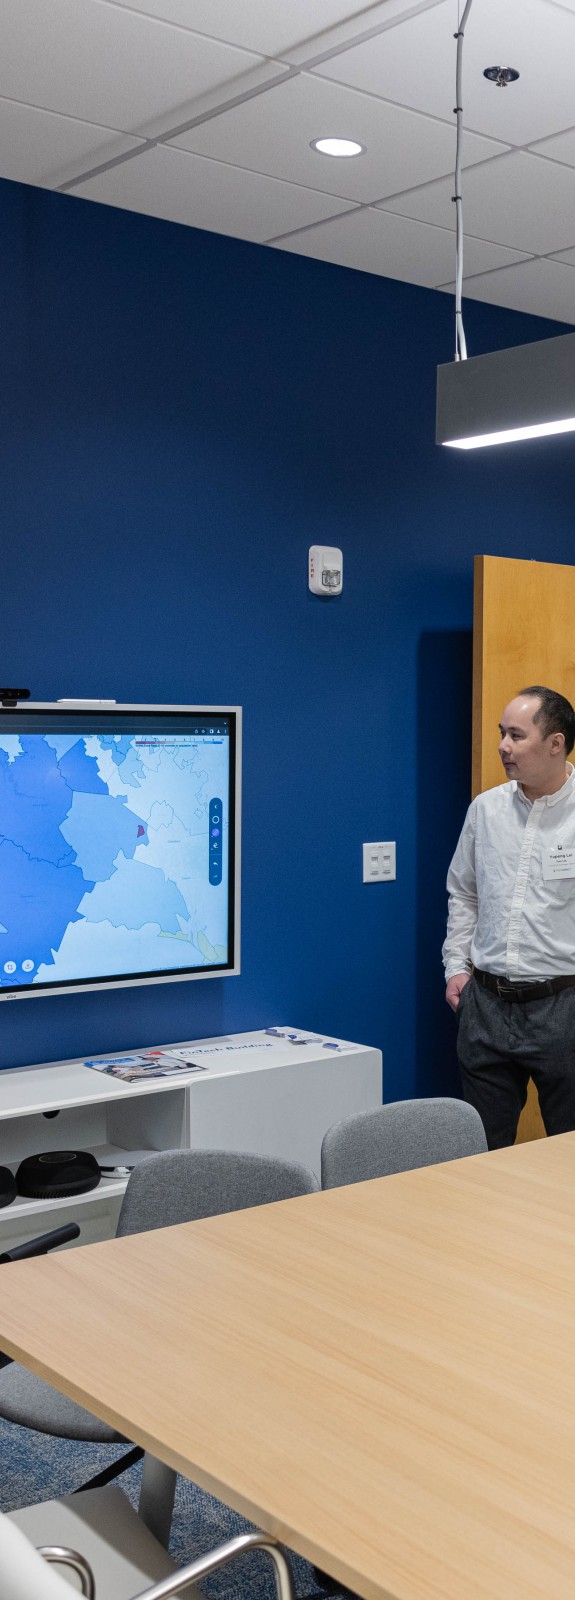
point(455, 987)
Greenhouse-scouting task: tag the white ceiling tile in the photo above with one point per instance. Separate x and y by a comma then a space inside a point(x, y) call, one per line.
point(414, 64)
point(103, 64)
point(394, 247)
point(267, 26)
point(40, 147)
point(560, 148)
point(83, 82)
point(168, 183)
point(177, 119)
point(518, 200)
point(272, 134)
point(372, 20)
point(542, 288)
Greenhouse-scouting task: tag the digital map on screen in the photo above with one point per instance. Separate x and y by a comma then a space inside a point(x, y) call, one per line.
point(113, 854)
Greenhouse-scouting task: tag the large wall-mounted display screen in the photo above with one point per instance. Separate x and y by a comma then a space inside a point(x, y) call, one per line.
point(119, 846)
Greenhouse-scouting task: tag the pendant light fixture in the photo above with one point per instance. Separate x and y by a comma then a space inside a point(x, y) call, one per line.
point(523, 393)
point(527, 392)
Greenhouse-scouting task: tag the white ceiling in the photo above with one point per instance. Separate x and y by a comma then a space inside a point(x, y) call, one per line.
point(202, 112)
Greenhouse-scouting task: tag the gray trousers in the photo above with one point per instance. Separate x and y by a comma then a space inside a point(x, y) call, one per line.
point(501, 1044)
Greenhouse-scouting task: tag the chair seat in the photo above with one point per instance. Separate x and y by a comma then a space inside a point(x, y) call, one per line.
point(31, 1403)
point(102, 1524)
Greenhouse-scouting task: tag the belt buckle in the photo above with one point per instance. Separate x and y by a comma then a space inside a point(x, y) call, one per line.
point(504, 988)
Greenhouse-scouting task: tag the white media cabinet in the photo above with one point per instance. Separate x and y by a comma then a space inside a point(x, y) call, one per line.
point(259, 1093)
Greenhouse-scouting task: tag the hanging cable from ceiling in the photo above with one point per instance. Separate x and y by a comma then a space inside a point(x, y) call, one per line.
point(460, 344)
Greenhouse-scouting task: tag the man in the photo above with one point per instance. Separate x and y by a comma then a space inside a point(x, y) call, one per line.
point(510, 949)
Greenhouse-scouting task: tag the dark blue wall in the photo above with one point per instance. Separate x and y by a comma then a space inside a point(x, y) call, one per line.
point(182, 415)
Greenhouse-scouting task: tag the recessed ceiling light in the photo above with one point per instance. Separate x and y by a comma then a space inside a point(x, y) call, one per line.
point(338, 147)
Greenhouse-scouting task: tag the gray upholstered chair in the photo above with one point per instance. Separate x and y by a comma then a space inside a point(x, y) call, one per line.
point(398, 1137)
point(171, 1187)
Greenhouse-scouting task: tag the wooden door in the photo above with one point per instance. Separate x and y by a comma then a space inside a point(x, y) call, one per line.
point(523, 633)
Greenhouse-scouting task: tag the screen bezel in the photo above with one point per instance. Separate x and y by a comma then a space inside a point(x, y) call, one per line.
point(93, 710)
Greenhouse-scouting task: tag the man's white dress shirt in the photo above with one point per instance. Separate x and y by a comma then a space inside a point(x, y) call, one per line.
point(511, 886)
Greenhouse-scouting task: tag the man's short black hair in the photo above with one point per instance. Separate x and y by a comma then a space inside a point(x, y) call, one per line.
point(555, 714)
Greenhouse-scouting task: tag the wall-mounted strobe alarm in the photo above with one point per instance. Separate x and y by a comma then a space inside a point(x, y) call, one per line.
point(325, 570)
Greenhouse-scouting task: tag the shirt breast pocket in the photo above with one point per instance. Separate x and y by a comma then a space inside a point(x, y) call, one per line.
point(558, 866)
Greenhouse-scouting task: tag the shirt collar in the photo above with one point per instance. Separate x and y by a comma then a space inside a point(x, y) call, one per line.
point(549, 799)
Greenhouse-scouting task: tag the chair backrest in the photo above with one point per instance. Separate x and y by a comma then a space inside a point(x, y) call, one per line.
point(24, 1574)
point(184, 1185)
point(398, 1137)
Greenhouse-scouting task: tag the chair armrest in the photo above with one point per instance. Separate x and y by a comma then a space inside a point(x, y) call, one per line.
point(196, 1570)
point(70, 1558)
point(44, 1243)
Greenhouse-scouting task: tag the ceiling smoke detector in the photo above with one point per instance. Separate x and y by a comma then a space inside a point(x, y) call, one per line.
point(501, 76)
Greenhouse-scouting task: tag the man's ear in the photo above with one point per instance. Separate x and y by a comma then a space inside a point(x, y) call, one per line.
point(557, 744)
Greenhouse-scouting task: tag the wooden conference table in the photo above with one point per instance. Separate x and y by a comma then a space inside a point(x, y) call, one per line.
point(383, 1375)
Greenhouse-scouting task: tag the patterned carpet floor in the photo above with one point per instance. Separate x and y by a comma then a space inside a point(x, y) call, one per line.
point(35, 1467)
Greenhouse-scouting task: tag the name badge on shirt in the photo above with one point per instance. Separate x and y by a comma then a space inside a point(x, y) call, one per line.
point(559, 862)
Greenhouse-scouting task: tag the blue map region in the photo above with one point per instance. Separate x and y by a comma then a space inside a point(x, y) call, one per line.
point(119, 747)
point(34, 799)
point(39, 900)
point(135, 895)
point(124, 754)
point(97, 828)
point(81, 770)
point(61, 742)
point(88, 885)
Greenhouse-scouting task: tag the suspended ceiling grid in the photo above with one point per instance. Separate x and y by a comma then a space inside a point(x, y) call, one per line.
point(202, 112)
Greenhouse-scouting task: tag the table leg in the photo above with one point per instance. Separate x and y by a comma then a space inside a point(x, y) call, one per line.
point(156, 1502)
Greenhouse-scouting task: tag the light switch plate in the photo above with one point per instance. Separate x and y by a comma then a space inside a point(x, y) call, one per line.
point(379, 862)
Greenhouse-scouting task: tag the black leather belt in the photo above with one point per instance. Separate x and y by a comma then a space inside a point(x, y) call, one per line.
point(522, 991)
